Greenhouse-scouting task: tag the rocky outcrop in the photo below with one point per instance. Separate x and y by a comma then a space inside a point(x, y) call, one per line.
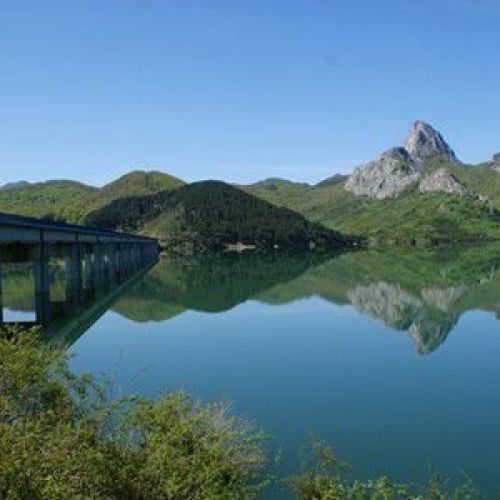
point(442, 181)
point(387, 176)
point(495, 163)
point(397, 168)
point(424, 142)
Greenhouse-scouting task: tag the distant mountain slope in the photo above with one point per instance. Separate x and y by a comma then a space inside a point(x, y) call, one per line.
point(72, 201)
point(14, 185)
point(136, 183)
point(278, 191)
point(396, 199)
point(410, 218)
point(332, 181)
point(210, 215)
point(61, 199)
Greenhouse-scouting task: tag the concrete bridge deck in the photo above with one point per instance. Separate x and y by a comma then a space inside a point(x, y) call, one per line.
point(93, 258)
point(19, 229)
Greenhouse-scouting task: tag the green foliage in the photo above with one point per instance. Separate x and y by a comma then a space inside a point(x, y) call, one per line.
point(410, 218)
point(193, 451)
point(280, 192)
point(56, 200)
point(61, 438)
point(332, 181)
point(212, 283)
point(209, 215)
point(159, 204)
point(326, 478)
point(70, 201)
point(136, 183)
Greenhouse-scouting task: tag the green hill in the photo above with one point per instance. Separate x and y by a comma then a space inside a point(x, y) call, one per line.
point(418, 194)
point(136, 183)
point(410, 218)
point(211, 215)
point(72, 201)
point(65, 200)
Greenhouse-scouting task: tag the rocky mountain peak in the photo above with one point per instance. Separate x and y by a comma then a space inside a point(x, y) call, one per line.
point(424, 142)
point(387, 176)
point(396, 153)
point(397, 168)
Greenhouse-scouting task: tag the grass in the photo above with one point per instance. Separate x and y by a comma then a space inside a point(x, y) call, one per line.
point(410, 218)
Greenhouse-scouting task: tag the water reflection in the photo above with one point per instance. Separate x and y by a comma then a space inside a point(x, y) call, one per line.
point(67, 291)
point(422, 293)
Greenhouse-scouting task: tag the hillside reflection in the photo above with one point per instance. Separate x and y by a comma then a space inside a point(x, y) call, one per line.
point(422, 293)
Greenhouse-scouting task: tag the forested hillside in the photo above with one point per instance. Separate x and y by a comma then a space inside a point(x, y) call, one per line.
point(209, 215)
point(410, 218)
point(59, 200)
point(71, 201)
point(416, 194)
point(137, 183)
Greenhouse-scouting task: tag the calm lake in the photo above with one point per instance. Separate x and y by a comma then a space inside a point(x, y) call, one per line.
point(391, 357)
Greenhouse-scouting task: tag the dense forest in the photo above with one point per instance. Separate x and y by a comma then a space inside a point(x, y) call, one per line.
point(211, 215)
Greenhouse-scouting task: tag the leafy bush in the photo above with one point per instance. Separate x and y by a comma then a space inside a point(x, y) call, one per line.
point(326, 479)
point(60, 437)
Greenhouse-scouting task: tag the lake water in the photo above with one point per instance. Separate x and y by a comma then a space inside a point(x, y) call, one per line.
point(391, 357)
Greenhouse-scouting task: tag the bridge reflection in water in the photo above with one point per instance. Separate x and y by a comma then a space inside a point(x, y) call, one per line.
point(61, 273)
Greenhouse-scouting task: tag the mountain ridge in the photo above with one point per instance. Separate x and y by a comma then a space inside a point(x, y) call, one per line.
point(418, 193)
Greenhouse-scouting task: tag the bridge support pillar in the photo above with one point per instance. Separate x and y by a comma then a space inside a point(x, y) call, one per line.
point(98, 269)
point(87, 275)
point(73, 271)
point(41, 258)
point(112, 264)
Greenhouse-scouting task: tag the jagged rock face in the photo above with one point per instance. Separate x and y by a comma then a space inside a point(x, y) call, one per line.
point(398, 168)
point(442, 181)
point(387, 176)
point(424, 142)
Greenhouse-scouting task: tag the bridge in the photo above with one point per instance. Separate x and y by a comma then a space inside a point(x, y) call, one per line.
point(91, 259)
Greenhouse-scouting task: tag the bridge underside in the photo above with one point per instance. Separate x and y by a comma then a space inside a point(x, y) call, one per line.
point(91, 259)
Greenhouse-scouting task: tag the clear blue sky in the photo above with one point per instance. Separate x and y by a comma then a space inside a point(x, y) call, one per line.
point(239, 90)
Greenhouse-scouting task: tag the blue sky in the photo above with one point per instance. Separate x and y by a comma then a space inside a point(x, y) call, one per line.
point(239, 90)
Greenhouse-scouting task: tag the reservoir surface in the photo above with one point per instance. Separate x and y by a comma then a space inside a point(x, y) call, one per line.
point(390, 357)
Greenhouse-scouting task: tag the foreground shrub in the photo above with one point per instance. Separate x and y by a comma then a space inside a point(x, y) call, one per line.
point(61, 438)
point(326, 478)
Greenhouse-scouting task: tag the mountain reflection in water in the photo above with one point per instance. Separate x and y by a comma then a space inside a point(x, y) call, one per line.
point(422, 293)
